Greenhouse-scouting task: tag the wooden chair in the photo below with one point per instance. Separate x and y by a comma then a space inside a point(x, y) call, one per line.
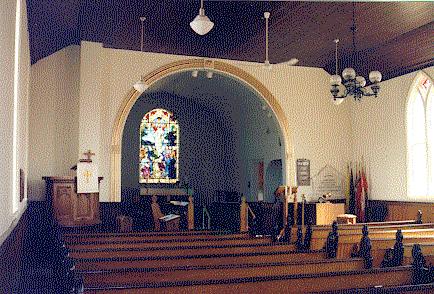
point(163, 222)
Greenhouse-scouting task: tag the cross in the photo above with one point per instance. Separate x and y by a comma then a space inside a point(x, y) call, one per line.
point(89, 154)
point(87, 174)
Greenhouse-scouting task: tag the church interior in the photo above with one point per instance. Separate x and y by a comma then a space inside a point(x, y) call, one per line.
point(217, 146)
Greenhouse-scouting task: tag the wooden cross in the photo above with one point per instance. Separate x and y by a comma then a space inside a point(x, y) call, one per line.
point(89, 154)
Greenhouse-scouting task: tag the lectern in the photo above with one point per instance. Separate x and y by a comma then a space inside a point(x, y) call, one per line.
point(71, 209)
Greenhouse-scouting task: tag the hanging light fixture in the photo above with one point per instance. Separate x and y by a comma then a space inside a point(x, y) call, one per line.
point(201, 24)
point(354, 85)
point(141, 86)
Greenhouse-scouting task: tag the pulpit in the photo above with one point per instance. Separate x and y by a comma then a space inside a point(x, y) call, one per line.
point(70, 208)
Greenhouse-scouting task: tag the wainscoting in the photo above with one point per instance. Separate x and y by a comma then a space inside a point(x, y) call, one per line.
point(12, 256)
point(397, 210)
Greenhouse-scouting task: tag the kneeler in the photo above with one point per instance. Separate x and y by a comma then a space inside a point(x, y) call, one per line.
point(163, 222)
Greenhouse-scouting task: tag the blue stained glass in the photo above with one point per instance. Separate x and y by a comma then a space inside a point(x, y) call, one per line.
point(159, 147)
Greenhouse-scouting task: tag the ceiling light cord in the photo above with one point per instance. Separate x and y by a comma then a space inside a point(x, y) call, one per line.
point(336, 56)
point(353, 32)
point(142, 19)
point(266, 16)
point(266, 38)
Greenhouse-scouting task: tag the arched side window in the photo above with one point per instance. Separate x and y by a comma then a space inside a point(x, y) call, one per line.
point(420, 139)
point(159, 147)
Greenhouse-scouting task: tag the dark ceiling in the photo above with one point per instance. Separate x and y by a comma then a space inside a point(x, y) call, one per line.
point(393, 37)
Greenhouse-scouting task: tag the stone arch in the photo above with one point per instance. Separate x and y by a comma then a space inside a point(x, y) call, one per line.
point(191, 64)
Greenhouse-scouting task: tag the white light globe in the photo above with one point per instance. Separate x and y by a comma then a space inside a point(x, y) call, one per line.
point(337, 101)
point(375, 76)
point(335, 80)
point(349, 73)
point(201, 24)
point(140, 86)
point(361, 81)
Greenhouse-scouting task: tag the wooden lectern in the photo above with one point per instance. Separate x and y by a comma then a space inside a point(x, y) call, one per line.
point(69, 208)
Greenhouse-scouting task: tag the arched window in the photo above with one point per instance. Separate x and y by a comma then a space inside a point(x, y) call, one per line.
point(420, 139)
point(159, 147)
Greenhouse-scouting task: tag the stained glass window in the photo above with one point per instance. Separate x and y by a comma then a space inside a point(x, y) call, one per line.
point(159, 147)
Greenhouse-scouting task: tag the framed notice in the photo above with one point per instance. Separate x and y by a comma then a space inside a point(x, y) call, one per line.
point(303, 172)
point(328, 181)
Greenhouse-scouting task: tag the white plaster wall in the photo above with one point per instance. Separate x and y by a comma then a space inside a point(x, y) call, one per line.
point(380, 138)
point(8, 218)
point(321, 132)
point(54, 115)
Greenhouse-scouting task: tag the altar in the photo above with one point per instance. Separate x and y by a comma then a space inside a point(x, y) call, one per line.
point(168, 192)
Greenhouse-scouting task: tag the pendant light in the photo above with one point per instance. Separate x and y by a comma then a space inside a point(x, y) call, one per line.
point(201, 24)
point(140, 86)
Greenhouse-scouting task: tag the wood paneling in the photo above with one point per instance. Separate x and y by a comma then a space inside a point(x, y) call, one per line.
point(398, 210)
point(301, 29)
point(11, 257)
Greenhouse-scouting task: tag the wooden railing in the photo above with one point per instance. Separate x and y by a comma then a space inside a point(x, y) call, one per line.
point(205, 214)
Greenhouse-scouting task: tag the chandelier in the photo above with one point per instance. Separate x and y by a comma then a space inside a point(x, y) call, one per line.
point(354, 85)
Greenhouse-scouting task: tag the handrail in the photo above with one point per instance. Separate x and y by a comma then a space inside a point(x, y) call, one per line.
point(251, 211)
point(206, 212)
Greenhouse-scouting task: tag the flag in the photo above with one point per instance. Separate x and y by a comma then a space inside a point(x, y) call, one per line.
point(359, 197)
point(347, 190)
point(364, 196)
point(352, 196)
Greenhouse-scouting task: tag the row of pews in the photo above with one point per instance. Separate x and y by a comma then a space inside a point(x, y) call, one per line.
point(368, 257)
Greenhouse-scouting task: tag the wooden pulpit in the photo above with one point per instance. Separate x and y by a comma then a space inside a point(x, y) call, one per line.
point(71, 209)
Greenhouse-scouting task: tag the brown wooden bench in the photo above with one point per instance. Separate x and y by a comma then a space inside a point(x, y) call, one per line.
point(354, 237)
point(168, 244)
point(318, 233)
point(188, 250)
point(331, 281)
point(197, 260)
point(151, 238)
point(141, 276)
point(379, 246)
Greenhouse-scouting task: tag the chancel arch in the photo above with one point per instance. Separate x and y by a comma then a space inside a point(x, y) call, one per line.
point(199, 64)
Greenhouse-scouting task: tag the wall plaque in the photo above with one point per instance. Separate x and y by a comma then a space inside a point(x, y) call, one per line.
point(303, 172)
point(328, 180)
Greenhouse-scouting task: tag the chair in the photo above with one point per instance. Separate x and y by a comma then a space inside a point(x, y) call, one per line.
point(163, 222)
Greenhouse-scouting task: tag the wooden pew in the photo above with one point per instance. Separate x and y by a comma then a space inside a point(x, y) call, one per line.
point(83, 239)
point(409, 289)
point(321, 233)
point(332, 281)
point(379, 246)
point(141, 276)
point(186, 251)
point(166, 245)
point(196, 260)
point(359, 225)
point(354, 237)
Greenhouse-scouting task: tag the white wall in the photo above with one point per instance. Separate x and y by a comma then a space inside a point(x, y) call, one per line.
point(54, 110)
point(380, 137)
point(10, 207)
point(321, 131)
